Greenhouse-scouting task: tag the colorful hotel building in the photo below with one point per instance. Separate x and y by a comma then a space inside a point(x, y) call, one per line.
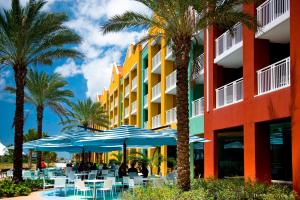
point(244, 99)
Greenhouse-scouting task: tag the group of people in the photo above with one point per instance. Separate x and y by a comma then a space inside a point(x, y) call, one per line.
point(143, 169)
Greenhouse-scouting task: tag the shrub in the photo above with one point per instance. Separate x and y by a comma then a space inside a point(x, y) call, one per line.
point(10, 189)
point(212, 189)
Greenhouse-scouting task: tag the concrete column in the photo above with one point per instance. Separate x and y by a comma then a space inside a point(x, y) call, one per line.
point(295, 88)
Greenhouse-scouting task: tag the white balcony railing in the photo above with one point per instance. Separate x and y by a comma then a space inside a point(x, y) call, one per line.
point(156, 61)
point(126, 90)
point(230, 93)
point(171, 116)
point(146, 101)
point(116, 102)
point(134, 83)
point(126, 112)
point(270, 10)
point(145, 75)
point(156, 91)
point(156, 121)
point(199, 71)
point(133, 107)
point(198, 107)
point(146, 124)
point(274, 77)
point(169, 53)
point(171, 80)
point(228, 40)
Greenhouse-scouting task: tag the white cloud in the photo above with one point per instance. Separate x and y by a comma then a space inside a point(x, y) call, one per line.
point(101, 51)
point(69, 69)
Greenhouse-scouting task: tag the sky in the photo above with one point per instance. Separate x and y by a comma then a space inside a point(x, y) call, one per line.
point(86, 78)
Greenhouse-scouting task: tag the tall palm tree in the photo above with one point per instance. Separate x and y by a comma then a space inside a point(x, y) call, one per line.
point(45, 90)
point(86, 113)
point(30, 36)
point(179, 21)
point(29, 136)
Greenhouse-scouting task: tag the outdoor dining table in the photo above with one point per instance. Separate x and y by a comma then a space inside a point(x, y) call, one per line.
point(94, 181)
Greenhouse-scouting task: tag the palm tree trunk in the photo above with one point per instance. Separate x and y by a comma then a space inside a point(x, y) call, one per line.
point(20, 74)
point(39, 111)
point(183, 46)
point(30, 159)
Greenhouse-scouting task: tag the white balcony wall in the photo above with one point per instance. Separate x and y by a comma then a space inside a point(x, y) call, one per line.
point(116, 102)
point(169, 53)
point(156, 91)
point(171, 81)
point(146, 101)
point(156, 121)
point(156, 63)
point(134, 84)
point(126, 90)
point(133, 107)
point(146, 75)
point(198, 107)
point(230, 93)
point(171, 116)
point(228, 40)
point(126, 112)
point(274, 77)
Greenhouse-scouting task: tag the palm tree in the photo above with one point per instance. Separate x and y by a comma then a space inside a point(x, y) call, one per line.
point(86, 113)
point(29, 36)
point(43, 90)
point(29, 136)
point(179, 21)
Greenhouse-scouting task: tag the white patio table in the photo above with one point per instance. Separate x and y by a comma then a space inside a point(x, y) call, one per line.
point(94, 181)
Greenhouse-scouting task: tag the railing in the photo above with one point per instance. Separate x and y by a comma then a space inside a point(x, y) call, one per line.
point(156, 60)
point(169, 52)
point(171, 116)
point(127, 90)
point(274, 77)
point(200, 67)
point(133, 107)
point(198, 107)
point(271, 10)
point(134, 81)
point(126, 112)
point(171, 80)
point(230, 93)
point(146, 124)
point(229, 39)
point(156, 91)
point(156, 121)
point(146, 75)
point(116, 102)
point(146, 101)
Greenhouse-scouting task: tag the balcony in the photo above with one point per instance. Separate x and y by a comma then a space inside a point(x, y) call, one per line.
point(198, 107)
point(146, 101)
point(134, 84)
point(156, 121)
point(116, 120)
point(169, 53)
point(230, 93)
point(146, 124)
point(126, 112)
point(156, 93)
point(274, 18)
point(274, 77)
point(171, 116)
point(171, 83)
point(229, 51)
point(133, 108)
point(156, 63)
point(198, 74)
point(126, 91)
point(111, 108)
point(116, 102)
point(146, 75)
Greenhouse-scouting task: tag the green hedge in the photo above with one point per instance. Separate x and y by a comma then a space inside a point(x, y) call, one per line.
point(226, 189)
point(10, 189)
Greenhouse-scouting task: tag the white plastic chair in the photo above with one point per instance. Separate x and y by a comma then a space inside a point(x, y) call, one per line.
point(80, 187)
point(92, 176)
point(46, 184)
point(60, 183)
point(132, 174)
point(138, 181)
point(131, 184)
point(104, 172)
point(126, 181)
point(107, 187)
point(10, 173)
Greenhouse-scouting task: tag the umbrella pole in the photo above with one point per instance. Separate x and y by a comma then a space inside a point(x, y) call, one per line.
point(82, 155)
point(124, 152)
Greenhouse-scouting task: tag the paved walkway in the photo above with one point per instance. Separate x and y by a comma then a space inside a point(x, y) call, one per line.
point(32, 196)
